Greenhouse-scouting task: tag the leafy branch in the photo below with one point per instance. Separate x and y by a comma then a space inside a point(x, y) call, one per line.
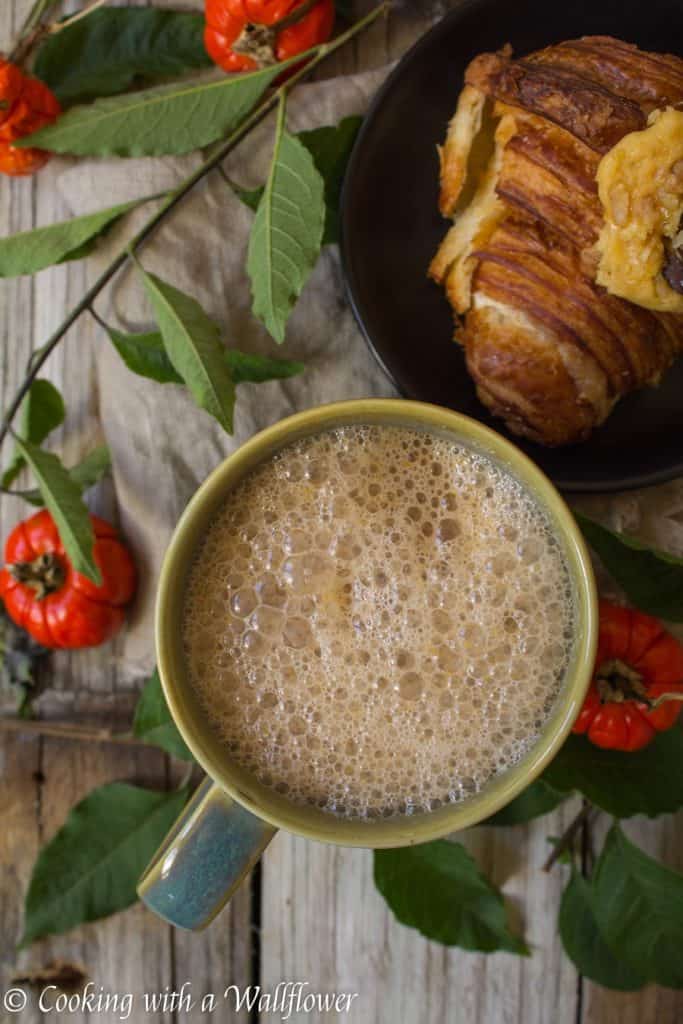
point(174, 198)
point(169, 119)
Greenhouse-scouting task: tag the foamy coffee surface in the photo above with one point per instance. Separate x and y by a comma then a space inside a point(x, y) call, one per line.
point(378, 621)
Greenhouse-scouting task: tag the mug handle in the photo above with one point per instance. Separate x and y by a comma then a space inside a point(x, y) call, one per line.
point(204, 859)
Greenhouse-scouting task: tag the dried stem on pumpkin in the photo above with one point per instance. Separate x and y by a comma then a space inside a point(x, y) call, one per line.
point(258, 41)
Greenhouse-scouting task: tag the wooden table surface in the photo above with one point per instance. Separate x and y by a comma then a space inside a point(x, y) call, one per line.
point(311, 912)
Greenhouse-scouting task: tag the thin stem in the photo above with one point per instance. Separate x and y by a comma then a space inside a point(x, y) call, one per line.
point(173, 199)
point(97, 318)
point(57, 26)
point(295, 16)
point(68, 731)
point(34, 17)
point(567, 837)
point(30, 29)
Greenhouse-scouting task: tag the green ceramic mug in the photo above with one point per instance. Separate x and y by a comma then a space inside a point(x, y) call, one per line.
point(232, 817)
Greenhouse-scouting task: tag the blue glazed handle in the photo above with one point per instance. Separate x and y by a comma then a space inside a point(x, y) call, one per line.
point(204, 859)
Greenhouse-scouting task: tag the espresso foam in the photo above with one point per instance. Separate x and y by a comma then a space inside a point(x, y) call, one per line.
point(378, 622)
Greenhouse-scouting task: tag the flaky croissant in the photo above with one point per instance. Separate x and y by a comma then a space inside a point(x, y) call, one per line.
point(550, 349)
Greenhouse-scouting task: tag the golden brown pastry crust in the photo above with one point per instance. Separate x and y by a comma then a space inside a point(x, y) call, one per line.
point(586, 109)
point(550, 350)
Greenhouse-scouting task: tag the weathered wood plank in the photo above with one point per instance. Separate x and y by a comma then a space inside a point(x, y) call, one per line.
point(213, 960)
point(19, 843)
point(324, 921)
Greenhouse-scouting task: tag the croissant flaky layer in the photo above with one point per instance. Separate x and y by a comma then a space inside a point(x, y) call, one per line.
point(549, 349)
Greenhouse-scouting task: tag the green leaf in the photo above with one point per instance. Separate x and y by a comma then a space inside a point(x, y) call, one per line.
point(287, 231)
point(330, 147)
point(153, 723)
point(638, 906)
point(92, 468)
point(251, 197)
point(115, 48)
point(31, 251)
point(537, 799)
point(170, 119)
point(585, 946)
point(193, 344)
point(90, 868)
point(438, 889)
point(145, 355)
point(652, 580)
point(86, 473)
point(40, 413)
point(62, 496)
point(249, 368)
point(649, 781)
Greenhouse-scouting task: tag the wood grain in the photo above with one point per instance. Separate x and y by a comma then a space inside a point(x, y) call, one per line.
point(41, 779)
point(322, 920)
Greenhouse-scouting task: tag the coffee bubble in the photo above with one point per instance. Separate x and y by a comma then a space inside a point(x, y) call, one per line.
point(378, 621)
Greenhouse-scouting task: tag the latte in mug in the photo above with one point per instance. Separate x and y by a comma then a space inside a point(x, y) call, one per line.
point(378, 621)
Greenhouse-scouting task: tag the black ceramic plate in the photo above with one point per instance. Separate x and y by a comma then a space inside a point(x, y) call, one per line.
point(391, 229)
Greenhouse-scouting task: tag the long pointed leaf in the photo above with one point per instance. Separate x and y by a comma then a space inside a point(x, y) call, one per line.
point(85, 473)
point(438, 889)
point(537, 799)
point(287, 231)
point(330, 146)
point(90, 868)
point(584, 944)
point(249, 368)
point(114, 48)
point(62, 496)
point(40, 413)
point(647, 781)
point(638, 906)
point(92, 467)
point(145, 355)
point(652, 580)
point(153, 722)
point(169, 119)
point(193, 344)
point(31, 251)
